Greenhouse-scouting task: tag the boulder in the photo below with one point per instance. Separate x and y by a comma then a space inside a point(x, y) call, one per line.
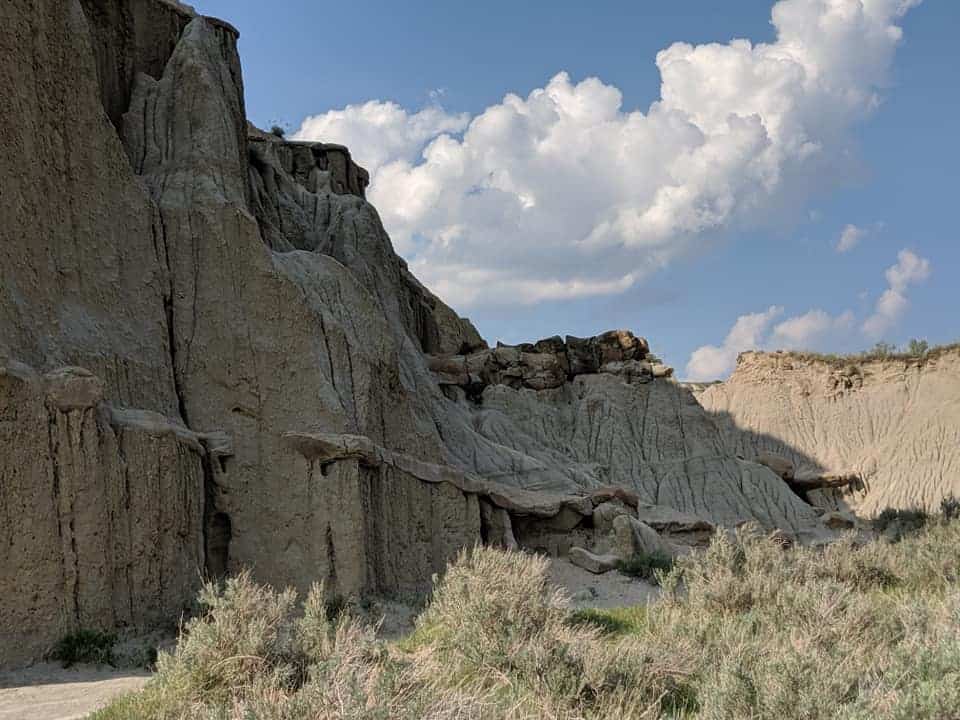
point(605, 494)
point(665, 519)
point(551, 345)
point(619, 345)
point(659, 370)
point(605, 513)
point(597, 564)
point(541, 371)
point(630, 537)
point(784, 467)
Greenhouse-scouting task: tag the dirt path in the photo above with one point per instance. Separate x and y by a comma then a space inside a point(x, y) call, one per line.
point(49, 692)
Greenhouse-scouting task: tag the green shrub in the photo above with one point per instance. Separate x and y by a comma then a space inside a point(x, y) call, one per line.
point(278, 131)
point(901, 521)
point(612, 621)
point(495, 642)
point(84, 646)
point(950, 508)
point(744, 629)
point(882, 350)
point(646, 566)
point(918, 348)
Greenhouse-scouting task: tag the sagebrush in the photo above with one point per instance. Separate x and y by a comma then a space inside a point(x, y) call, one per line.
point(84, 646)
point(746, 629)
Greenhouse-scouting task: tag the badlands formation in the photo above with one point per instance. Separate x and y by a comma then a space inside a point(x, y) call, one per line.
point(212, 359)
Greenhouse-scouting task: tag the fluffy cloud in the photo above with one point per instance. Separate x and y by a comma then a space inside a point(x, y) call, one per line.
point(852, 235)
point(813, 330)
point(758, 331)
point(748, 332)
point(381, 132)
point(810, 330)
point(850, 238)
point(564, 194)
point(910, 269)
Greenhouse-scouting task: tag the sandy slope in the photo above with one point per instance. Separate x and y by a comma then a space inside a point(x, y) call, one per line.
point(895, 422)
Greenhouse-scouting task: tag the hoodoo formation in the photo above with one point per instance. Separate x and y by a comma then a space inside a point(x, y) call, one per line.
point(211, 358)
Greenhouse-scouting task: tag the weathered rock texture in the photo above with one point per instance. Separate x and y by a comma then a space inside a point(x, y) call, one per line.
point(102, 512)
point(211, 358)
point(895, 423)
point(581, 414)
point(137, 247)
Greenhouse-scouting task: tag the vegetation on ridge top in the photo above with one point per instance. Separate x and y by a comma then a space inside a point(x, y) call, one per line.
point(914, 350)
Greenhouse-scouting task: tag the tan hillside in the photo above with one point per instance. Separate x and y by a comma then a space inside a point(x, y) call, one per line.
point(895, 421)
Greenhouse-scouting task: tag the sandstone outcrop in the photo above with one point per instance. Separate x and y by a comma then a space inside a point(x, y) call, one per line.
point(886, 432)
point(211, 358)
point(103, 511)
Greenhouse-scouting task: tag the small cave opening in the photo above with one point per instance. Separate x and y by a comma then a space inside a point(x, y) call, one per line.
point(217, 544)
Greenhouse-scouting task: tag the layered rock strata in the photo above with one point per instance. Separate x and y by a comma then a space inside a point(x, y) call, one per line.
point(580, 414)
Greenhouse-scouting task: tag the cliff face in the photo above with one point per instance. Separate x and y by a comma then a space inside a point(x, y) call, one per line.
point(102, 512)
point(895, 422)
point(211, 358)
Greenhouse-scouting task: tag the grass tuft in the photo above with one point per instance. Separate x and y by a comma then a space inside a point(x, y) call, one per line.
point(646, 567)
point(84, 646)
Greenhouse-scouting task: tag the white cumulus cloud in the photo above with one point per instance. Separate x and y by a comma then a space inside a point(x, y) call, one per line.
point(381, 132)
point(852, 235)
point(564, 193)
point(810, 330)
point(910, 269)
point(813, 330)
point(850, 238)
point(748, 332)
point(757, 331)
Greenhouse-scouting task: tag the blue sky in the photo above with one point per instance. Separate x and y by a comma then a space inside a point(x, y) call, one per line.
point(533, 243)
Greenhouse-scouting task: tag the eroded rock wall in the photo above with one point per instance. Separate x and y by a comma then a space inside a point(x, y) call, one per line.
point(568, 416)
point(225, 292)
point(895, 423)
point(82, 274)
point(102, 513)
point(266, 342)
